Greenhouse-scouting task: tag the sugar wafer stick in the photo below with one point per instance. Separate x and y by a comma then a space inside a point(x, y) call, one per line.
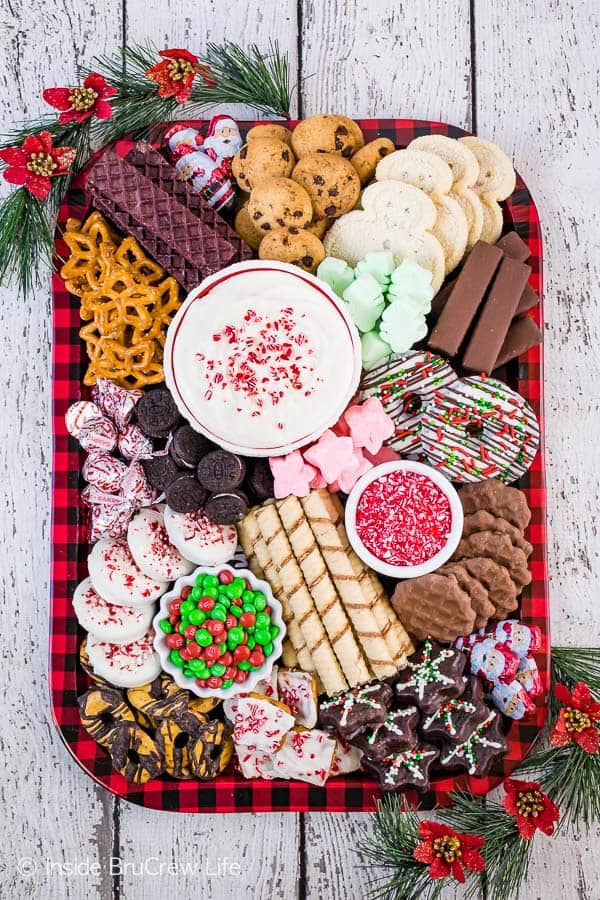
point(393, 630)
point(323, 592)
point(300, 600)
point(294, 650)
point(348, 586)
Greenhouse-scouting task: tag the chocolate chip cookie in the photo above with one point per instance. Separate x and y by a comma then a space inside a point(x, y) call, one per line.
point(327, 134)
point(331, 182)
point(270, 131)
point(365, 160)
point(246, 228)
point(293, 245)
point(279, 202)
point(260, 159)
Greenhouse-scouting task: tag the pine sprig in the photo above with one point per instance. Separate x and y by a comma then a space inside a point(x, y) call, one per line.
point(26, 239)
point(259, 80)
point(395, 836)
point(242, 76)
point(573, 664)
point(506, 853)
point(570, 777)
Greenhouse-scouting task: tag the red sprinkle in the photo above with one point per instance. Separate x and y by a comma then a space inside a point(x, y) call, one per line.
point(403, 518)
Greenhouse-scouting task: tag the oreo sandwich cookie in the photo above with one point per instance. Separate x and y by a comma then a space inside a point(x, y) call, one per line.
point(260, 479)
point(185, 495)
point(188, 447)
point(221, 471)
point(160, 471)
point(226, 507)
point(157, 413)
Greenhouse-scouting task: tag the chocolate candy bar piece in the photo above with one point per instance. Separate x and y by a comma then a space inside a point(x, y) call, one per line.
point(465, 299)
point(522, 334)
point(497, 314)
point(512, 245)
point(182, 243)
point(528, 300)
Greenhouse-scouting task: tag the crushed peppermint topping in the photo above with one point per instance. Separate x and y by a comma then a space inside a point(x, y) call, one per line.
point(403, 518)
point(265, 359)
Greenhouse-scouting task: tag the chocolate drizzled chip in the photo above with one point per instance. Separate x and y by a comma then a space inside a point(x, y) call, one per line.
point(330, 210)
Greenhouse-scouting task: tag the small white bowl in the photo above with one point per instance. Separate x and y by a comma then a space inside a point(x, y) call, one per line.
point(435, 561)
point(163, 651)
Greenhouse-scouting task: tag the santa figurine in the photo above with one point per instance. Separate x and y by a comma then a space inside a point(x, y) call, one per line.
point(512, 700)
point(494, 662)
point(193, 164)
point(223, 140)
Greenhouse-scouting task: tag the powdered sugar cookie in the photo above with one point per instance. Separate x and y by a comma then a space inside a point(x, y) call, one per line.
point(471, 205)
point(492, 219)
point(198, 539)
point(496, 173)
point(107, 621)
point(451, 230)
point(151, 548)
point(457, 155)
point(117, 578)
point(417, 167)
point(125, 665)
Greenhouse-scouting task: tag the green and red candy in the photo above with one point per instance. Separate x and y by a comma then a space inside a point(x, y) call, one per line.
point(220, 630)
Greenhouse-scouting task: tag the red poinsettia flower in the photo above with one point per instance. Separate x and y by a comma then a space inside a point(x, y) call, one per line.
point(531, 807)
point(577, 720)
point(446, 851)
point(36, 162)
point(80, 103)
point(175, 74)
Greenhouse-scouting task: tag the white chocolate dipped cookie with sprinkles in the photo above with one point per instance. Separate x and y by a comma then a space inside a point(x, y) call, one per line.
point(151, 548)
point(478, 428)
point(118, 579)
point(405, 384)
point(108, 621)
point(198, 539)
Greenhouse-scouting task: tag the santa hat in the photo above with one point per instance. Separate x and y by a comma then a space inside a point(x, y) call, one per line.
point(219, 120)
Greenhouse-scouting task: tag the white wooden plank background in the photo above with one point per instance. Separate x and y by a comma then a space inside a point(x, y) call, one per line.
point(525, 73)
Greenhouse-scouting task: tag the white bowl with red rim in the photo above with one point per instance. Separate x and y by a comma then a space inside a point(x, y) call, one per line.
point(262, 358)
point(443, 532)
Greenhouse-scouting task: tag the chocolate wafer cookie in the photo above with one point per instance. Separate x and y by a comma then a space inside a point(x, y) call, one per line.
point(176, 238)
point(161, 173)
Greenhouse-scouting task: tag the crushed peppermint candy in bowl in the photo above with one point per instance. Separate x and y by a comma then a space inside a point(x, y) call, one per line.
point(404, 519)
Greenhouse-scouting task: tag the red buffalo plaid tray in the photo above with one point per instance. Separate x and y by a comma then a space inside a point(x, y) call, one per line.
point(230, 792)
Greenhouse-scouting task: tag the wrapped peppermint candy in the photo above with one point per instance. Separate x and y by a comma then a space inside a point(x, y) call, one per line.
point(133, 443)
point(115, 401)
point(109, 520)
point(104, 472)
point(79, 413)
point(98, 435)
point(135, 486)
